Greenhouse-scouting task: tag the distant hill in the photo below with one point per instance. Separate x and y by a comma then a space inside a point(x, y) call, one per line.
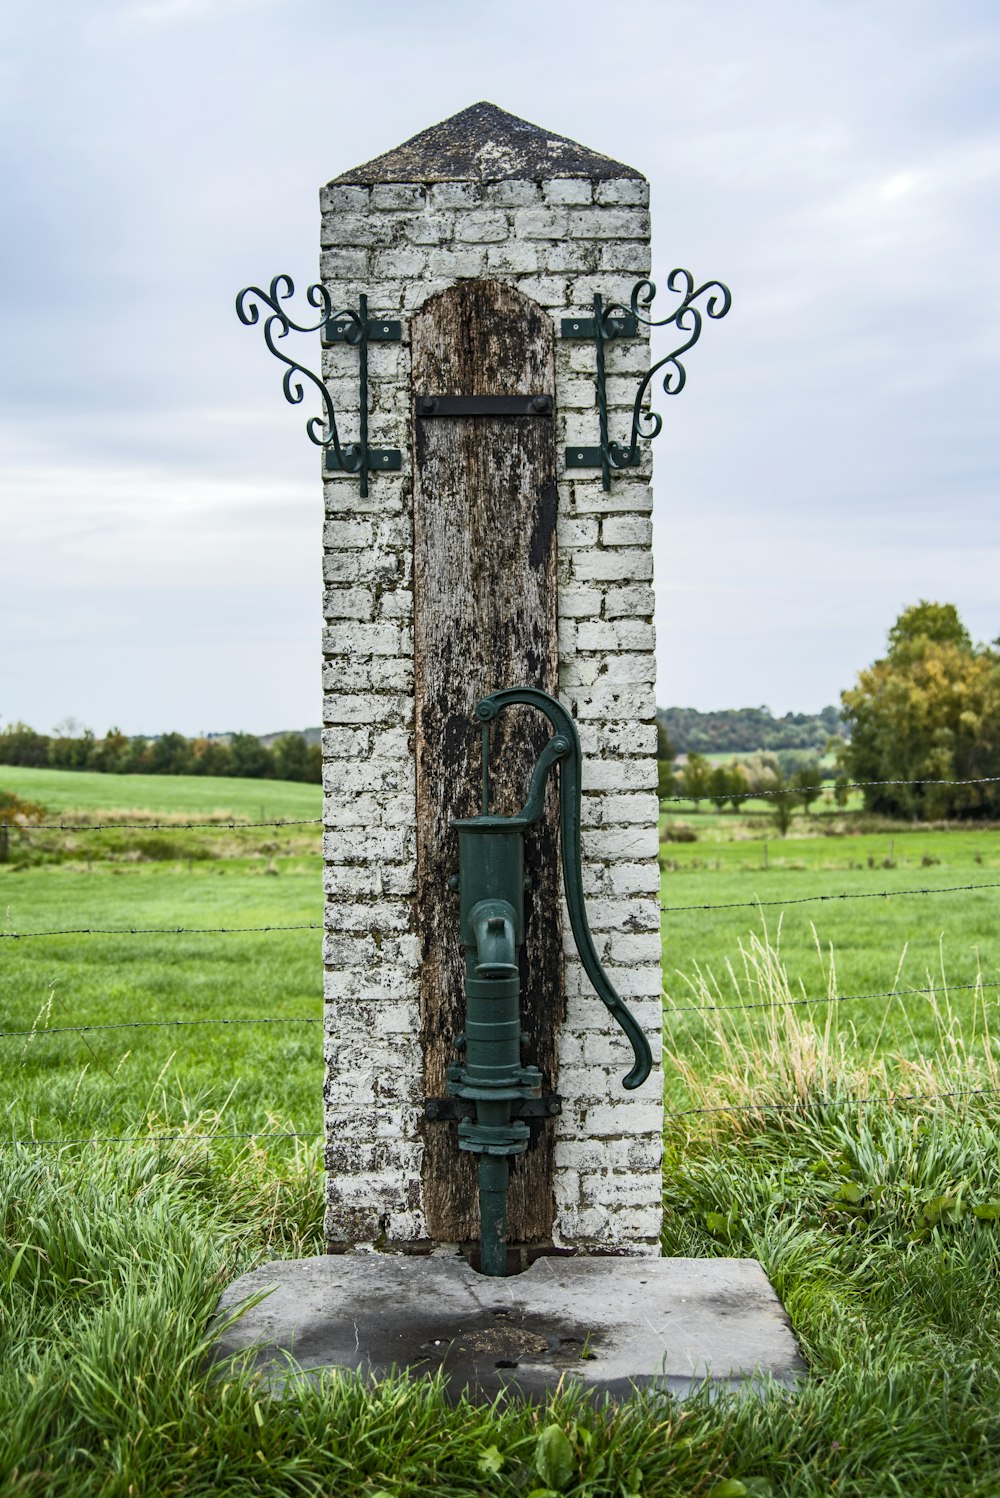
point(311, 736)
point(741, 730)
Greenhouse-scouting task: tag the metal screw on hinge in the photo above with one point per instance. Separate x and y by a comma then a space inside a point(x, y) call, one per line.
point(541, 405)
point(428, 404)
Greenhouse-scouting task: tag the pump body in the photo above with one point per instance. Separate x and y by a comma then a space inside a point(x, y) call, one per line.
point(490, 1077)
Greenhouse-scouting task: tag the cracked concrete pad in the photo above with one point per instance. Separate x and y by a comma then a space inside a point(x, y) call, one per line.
point(610, 1324)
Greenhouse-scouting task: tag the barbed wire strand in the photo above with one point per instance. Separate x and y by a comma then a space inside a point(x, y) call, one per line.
point(218, 825)
point(832, 998)
point(293, 1019)
point(875, 894)
point(833, 1102)
point(158, 1024)
point(848, 785)
point(160, 930)
point(231, 824)
point(797, 1106)
point(155, 1139)
point(882, 894)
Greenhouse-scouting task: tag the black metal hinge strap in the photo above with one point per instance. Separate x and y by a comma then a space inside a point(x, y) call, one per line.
point(341, 330)
point(484, 405)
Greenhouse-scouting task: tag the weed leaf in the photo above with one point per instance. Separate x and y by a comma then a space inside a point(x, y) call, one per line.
point(490, 1461)
point(554, 1458)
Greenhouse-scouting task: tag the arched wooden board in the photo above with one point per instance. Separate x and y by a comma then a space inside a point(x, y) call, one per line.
point(484, 553)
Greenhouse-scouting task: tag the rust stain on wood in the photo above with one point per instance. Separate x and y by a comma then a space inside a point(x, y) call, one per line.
point(485, 502)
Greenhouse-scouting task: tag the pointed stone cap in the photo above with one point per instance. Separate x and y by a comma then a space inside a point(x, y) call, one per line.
point(486, 144)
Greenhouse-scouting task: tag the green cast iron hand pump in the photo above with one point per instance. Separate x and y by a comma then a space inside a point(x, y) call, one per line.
point(491, 889)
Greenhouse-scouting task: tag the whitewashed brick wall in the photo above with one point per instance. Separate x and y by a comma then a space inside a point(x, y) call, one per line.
point(559, 242)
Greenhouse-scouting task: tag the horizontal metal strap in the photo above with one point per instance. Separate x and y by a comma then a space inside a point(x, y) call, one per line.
point(614, 327)
point(590, 457)
point(484, 405)
point(380, 460)
point(380, 330)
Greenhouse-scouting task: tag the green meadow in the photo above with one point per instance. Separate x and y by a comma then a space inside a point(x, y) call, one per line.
point(877, 1221)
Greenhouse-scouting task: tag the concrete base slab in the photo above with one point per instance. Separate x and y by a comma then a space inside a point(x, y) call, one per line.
point(609, 1324)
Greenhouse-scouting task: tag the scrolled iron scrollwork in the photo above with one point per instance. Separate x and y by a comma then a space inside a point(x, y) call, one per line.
point(687, 318)
point(322, 430)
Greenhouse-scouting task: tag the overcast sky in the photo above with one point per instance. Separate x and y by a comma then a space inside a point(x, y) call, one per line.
point(833, 458)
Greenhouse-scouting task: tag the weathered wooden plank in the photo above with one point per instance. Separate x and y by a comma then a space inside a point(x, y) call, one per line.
point(485, 618)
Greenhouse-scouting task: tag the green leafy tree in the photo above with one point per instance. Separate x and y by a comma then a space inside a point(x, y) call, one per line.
point(695, 776)
point(250, 759)
point(841, 791)
point(928, 710)
point(291, 757)
point(666, 780)
point(739, 786)
point(783, 798)
point(211, 757)
point(170, 754)
point(314, 765)
point(113, 754)
point(808, 781)
point(934, 623)
point(720, 785)
point(21, 745)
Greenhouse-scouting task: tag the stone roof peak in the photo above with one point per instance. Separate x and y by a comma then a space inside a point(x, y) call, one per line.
point(486, 144)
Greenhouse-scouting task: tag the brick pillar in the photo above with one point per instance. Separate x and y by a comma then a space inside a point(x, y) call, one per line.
point(487, 195)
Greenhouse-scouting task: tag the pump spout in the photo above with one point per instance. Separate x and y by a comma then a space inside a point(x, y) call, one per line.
point(493, 924)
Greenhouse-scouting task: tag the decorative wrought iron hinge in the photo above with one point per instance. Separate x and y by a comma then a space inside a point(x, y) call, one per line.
point(450, 1109)
point(617, 321)
point(346, 326)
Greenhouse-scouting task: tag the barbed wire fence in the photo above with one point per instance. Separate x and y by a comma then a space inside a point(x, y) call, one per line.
point(811, 1104)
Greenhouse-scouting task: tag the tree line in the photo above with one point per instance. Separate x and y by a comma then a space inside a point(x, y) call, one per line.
point(241, 754)
point(737, 730)
point(926, 712)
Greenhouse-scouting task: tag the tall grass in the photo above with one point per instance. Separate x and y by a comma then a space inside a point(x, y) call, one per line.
point(877, 1222)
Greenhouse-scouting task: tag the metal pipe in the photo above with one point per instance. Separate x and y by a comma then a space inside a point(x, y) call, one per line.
point(494, 1177)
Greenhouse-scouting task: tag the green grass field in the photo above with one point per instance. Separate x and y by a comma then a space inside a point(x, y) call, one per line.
point(202, 795)
point(879, 1224)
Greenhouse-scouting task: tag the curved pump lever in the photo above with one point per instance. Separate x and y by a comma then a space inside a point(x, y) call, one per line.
point(564, 746)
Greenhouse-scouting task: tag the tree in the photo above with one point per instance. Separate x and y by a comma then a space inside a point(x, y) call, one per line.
point(249, 757)
point(170, 754)
point(21, 745)
point(291, 757)
point(664, 748)
point(211, 757)
point(783, 798)
point(739, 786)
point(929, 710)
point(666, 781)
point(695, 777)
point(841, 791)
point(937, 623)
point(720, 782)
point(808, 781)
point(112, 754)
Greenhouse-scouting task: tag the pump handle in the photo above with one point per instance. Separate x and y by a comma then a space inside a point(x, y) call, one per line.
point(569, 754)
